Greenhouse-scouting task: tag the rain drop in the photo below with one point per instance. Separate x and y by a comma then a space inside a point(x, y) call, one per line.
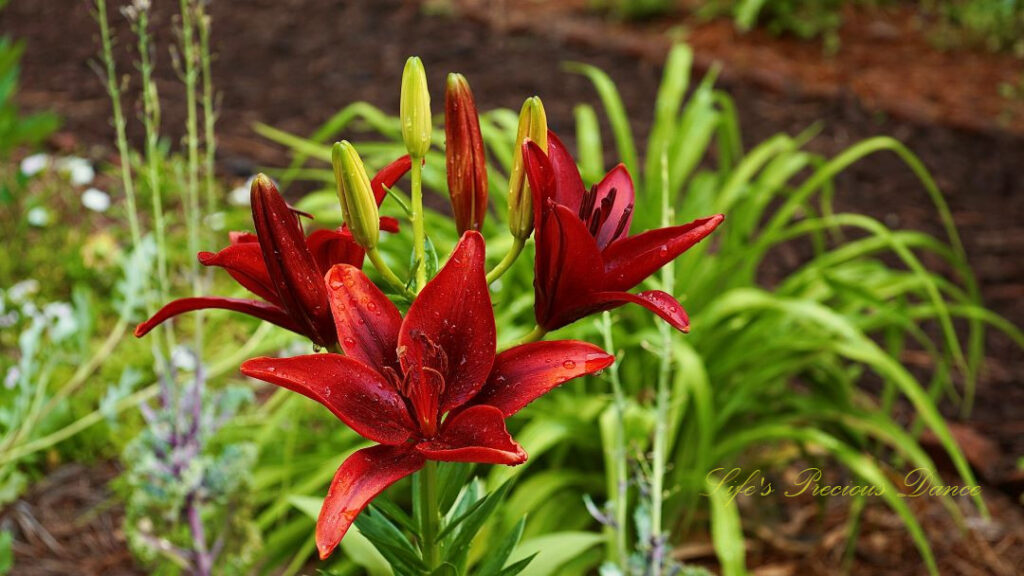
point(349, 342)
point(568, 364)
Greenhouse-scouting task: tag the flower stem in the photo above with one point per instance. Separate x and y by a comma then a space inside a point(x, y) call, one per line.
point(430, 515)
point(418, 232)
point(534, 335)
point(385, 271)
point(507, 261)
point(619, 492)
point(663, 396)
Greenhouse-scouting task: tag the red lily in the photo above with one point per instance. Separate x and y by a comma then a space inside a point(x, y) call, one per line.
point(464, 152)
point(282, 266)
point(401, 377)
point(586, 260)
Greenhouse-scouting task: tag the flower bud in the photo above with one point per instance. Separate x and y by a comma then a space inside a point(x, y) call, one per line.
point(358, 204)
point(414, 109)
point(464, 153)
point(533, 124)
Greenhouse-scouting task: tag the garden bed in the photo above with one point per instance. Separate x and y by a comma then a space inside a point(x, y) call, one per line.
point(293, 68)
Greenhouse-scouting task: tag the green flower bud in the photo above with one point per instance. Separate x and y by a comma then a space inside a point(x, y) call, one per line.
point(414, 109)
point(358, 205)
point(533, 124)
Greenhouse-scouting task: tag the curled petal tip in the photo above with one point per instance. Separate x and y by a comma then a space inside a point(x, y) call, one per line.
point(206, 258)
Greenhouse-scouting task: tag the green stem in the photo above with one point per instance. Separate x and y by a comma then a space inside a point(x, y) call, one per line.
point(664, 395)
point(114, 90)
point(385, 271)
point(618, 493)
point(209, 114)
point(418, 232)
point(431, 516)
point(534, 335)
point(507, 261)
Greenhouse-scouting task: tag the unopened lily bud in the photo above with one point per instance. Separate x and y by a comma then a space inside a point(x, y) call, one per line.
point(414, 109)
point(464, 152)
point(358, 204)
point(533, 124)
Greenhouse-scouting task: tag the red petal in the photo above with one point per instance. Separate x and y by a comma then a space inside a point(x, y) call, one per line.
point(361, 477)
point(387, 177)
point(661, 303)
point(630, 260)
point(388, 224)
point(620, 181)
point(330, 247)
point(261, 310)
point(454, 312)
point(298, 282)
point(567, 266)
point(366, 321)
point(525, 373)
point(244, 262)
point(477, 434)
point(464, 157)
point(541, 176)
point(242, 237)
point(569, 187)
point(351, 390)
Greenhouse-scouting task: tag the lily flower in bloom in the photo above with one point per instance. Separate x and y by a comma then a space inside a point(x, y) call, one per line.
point(282, 266)
point(426, 387)
point(586, 259)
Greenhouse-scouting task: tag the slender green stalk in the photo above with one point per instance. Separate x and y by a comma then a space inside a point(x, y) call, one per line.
point(189, 78)
point(534, 335)
point(151, 124)
point(385, 271)
point(418, 232)
point(663, 398)
point(114, 91)
point(209, 113)
point(619, 496)
point(431, 515)
point(507, 261)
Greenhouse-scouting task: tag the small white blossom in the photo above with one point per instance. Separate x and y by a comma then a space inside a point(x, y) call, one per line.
point(38, 217)
point(19, 293)
point(96, 200)
point(79, 170)
point(12, 377)
point(63, 317)
point(183, 359)
point(34, 164)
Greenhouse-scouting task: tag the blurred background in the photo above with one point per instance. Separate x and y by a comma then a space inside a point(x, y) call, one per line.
point(943, 77)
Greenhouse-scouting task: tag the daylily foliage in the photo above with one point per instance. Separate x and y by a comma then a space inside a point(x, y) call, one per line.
point(430, 385)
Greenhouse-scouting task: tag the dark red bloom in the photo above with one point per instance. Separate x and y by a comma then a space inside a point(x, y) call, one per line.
point(464, 152)
point(283, 266)
point(428, 386)
point(586, 259)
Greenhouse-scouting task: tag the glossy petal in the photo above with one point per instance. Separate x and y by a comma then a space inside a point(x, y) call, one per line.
point(630, 260)
point(387, 177)
point(242, 237)
point(351, 390)
point(330, 247)
point(567, 266)
point(525, 373)
point(619, 181)
point(388, 224)
point(294, 273)
point(477, 434)
point(661, 303)
point(541, 176)
point(244, 262)
point(362, 476)
point(254, 308)
point(366, 321)
point(454, 312)
point(569, 187)
point(464, 156)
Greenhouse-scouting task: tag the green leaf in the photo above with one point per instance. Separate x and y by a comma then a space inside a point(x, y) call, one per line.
point(551, 551)
point(389, 541)
point(496, 558)
point(470, 523)
point(726, 532)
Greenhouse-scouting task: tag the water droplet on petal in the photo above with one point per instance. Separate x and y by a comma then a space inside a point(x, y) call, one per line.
point(568, 364)
point(349, 342)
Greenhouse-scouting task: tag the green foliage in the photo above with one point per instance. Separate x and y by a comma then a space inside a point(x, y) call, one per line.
point(783, 366)
point(634, 9)
point(993, 24)
point(17, 129)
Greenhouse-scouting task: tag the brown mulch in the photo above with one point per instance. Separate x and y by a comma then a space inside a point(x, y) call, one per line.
point(292, 63)
point(886, 58)
point(69, 523)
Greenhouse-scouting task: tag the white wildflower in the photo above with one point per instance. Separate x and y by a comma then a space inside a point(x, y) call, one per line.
point(19, 293)
point(38, 217)
point(96, 200)
point(79, 170)
point(34, 164)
